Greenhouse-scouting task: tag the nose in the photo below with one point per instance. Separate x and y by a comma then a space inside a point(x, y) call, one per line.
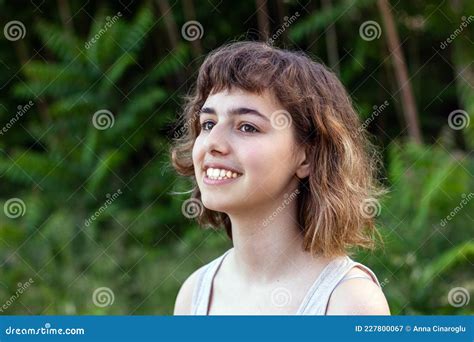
point(216, 140)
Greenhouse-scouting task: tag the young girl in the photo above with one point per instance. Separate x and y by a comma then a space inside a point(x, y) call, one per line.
point(280, 160)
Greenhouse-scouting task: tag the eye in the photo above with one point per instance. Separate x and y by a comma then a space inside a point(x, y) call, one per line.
point(250, 127)
point(204, 125)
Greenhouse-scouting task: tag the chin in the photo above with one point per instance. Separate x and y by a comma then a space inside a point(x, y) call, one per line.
point(215, 203)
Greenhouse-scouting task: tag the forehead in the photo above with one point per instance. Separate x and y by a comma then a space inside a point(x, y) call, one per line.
point(230, 98)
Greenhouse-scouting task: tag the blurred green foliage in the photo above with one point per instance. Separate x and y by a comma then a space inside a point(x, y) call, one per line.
point(140, 246)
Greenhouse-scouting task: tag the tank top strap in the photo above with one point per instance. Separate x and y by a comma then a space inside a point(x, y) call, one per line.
point(203, 288)
point(317, 298)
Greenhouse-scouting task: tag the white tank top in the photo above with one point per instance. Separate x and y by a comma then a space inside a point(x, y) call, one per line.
point(314, 303)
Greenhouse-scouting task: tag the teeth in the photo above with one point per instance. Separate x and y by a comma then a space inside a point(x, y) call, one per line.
point(220, 173)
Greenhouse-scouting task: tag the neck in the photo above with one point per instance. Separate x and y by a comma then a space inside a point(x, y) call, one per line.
point(267, 240)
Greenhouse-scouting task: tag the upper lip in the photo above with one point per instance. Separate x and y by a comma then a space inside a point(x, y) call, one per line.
point(220, 166)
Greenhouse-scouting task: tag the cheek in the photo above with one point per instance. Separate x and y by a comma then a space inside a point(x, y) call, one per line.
point(197, 152)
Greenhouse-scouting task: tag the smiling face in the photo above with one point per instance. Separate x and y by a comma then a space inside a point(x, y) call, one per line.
point(250, 137)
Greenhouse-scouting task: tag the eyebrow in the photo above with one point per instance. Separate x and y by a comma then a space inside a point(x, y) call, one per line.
point(234, 111)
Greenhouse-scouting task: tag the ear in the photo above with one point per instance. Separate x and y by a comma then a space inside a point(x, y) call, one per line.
point(303, 167)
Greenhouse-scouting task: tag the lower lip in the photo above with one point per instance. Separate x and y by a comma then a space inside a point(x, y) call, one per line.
point(210, 181)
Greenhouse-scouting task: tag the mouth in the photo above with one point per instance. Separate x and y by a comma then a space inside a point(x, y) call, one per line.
point(215, 176)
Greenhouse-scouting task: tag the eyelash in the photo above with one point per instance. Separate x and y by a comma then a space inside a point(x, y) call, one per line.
point(203, 125)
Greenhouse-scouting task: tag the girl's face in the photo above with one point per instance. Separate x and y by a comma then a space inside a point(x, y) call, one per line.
point(250, 136)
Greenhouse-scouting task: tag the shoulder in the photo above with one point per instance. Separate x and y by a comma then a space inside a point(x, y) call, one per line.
point(185, 295)
point(358, 297)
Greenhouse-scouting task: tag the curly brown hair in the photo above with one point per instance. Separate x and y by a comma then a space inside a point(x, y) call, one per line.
point(334, 208)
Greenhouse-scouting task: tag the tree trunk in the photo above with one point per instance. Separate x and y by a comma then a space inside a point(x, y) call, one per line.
point(262, 17)
point(331, 40)
point(398, 60)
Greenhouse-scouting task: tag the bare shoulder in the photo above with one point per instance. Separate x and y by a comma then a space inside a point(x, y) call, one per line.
point(358, 297)
point(183, 301)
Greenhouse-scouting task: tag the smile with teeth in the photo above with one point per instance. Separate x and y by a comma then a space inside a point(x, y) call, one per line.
point(220, 174)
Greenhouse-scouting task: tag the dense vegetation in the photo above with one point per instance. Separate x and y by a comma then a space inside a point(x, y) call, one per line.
point(88, 108)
